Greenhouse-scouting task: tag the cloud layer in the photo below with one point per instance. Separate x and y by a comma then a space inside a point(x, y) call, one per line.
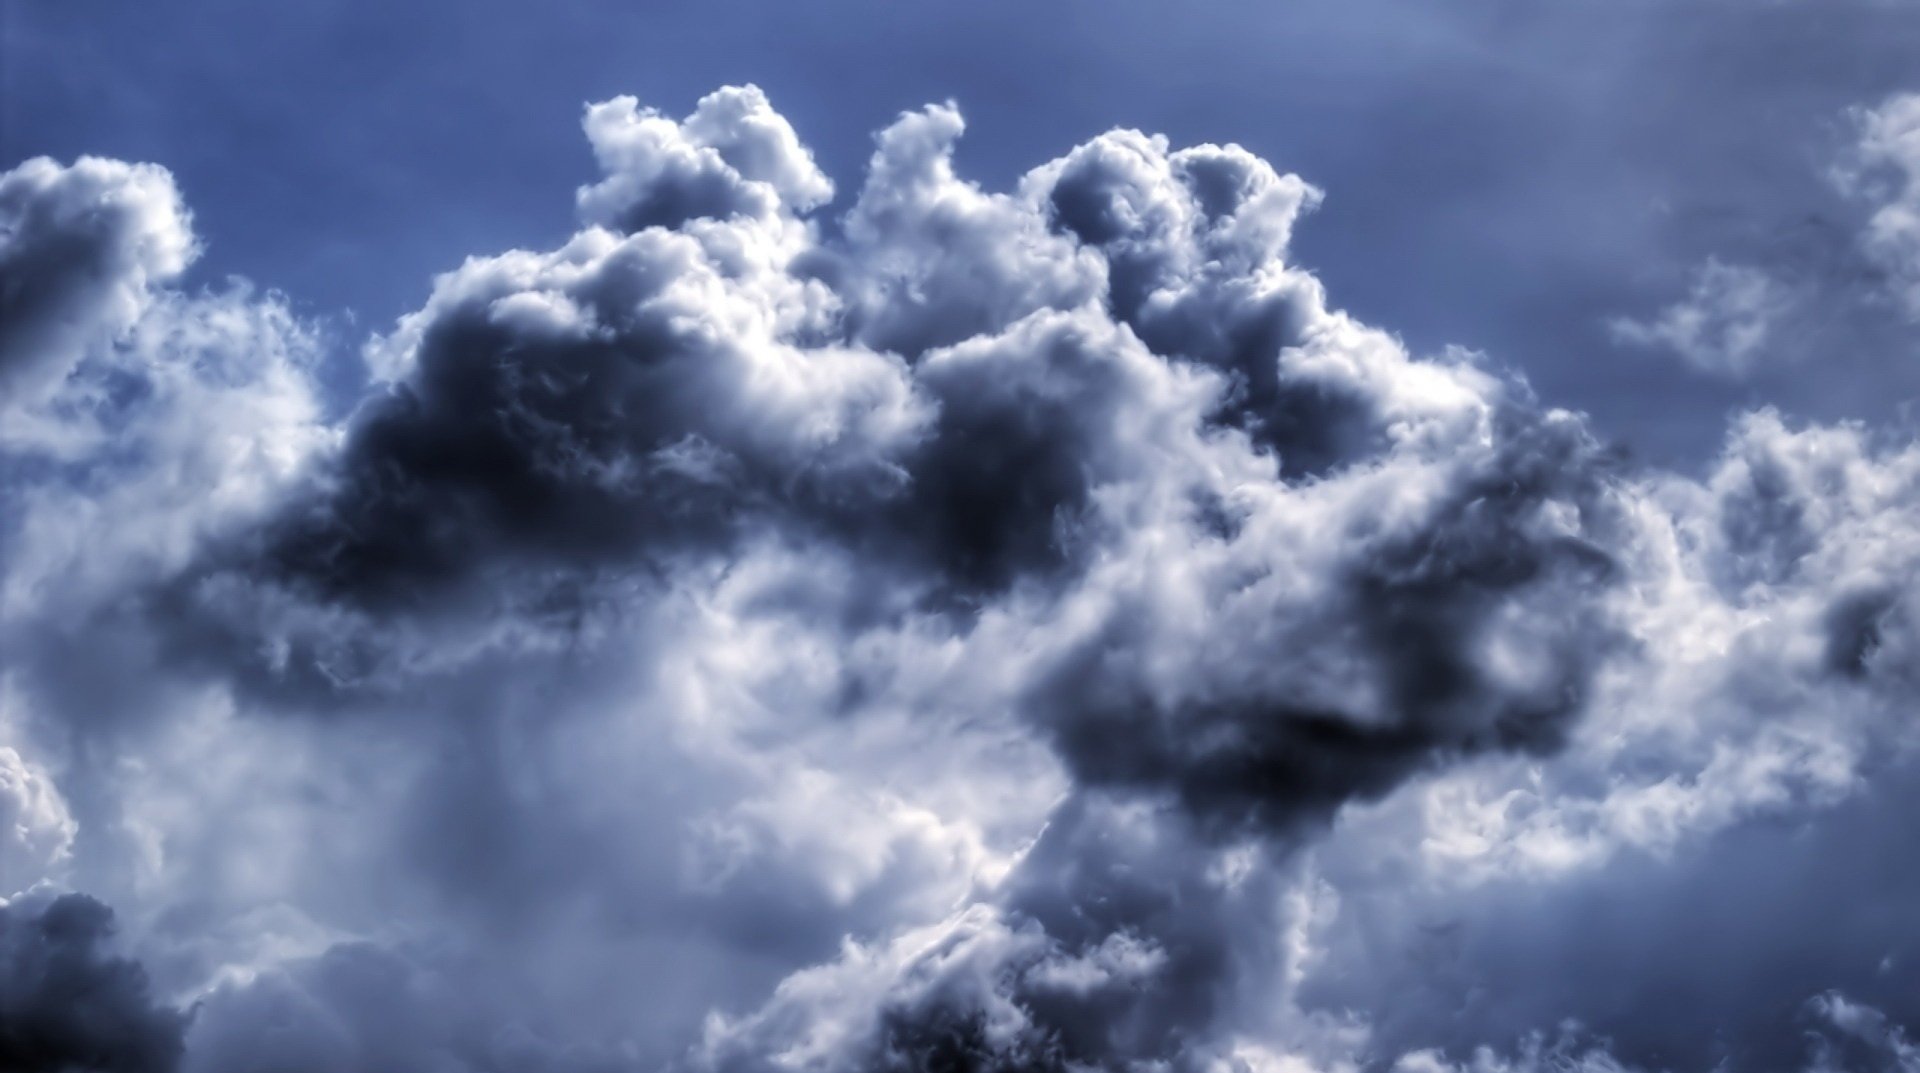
point(969, 630)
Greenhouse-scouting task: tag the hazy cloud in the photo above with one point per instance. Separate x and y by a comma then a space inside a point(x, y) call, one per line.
point(1725, 324)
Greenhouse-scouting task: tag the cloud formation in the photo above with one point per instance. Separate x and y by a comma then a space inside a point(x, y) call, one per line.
point(68, 1004)
point(1886, 168)
point(976, 631)
point(84, 247)
point(1843, 277)
point(1723, 326)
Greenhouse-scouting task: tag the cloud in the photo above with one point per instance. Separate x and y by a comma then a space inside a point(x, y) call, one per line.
point(1838, 280)
point(1027, 629)
point(34, 819)
point(1115, 940)
point(733, 156)
point(1724, 326)
point(81, 246)
point(1885, 168)
point(66, 1003)
point(1729, 790)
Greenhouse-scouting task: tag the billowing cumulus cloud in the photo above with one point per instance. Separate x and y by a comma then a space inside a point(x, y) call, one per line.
point(81, 247)
point(975, 630)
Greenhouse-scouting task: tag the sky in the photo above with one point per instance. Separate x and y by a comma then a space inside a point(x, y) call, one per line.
point(1227, 537)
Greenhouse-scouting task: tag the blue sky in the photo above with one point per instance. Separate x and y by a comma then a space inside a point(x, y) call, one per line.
point(1503, 176)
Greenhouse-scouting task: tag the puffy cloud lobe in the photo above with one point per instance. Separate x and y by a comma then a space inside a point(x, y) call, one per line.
point(933, 260)
point(80, 248)
point(67, 1004)
point(1034, 424)
point(1194, 241)
point(734, 156)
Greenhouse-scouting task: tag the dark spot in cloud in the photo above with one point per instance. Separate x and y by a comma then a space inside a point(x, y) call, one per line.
point(1854, 630)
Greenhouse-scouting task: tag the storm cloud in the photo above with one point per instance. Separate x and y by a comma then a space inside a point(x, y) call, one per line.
point(969, 630)
point(67, 1003)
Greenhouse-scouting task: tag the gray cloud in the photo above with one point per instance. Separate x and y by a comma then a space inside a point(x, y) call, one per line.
point(358, 1007)
point(69, 1005)
point(1025, 630)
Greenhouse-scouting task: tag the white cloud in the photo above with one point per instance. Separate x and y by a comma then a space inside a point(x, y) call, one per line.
point(1725, 326)
point(1885, 169)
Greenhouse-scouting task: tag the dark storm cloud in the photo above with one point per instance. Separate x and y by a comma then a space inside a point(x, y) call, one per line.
point(1097, 405)
point(68, 1004)
point(1013, 585)
point(598, 413)
point(633, 396)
